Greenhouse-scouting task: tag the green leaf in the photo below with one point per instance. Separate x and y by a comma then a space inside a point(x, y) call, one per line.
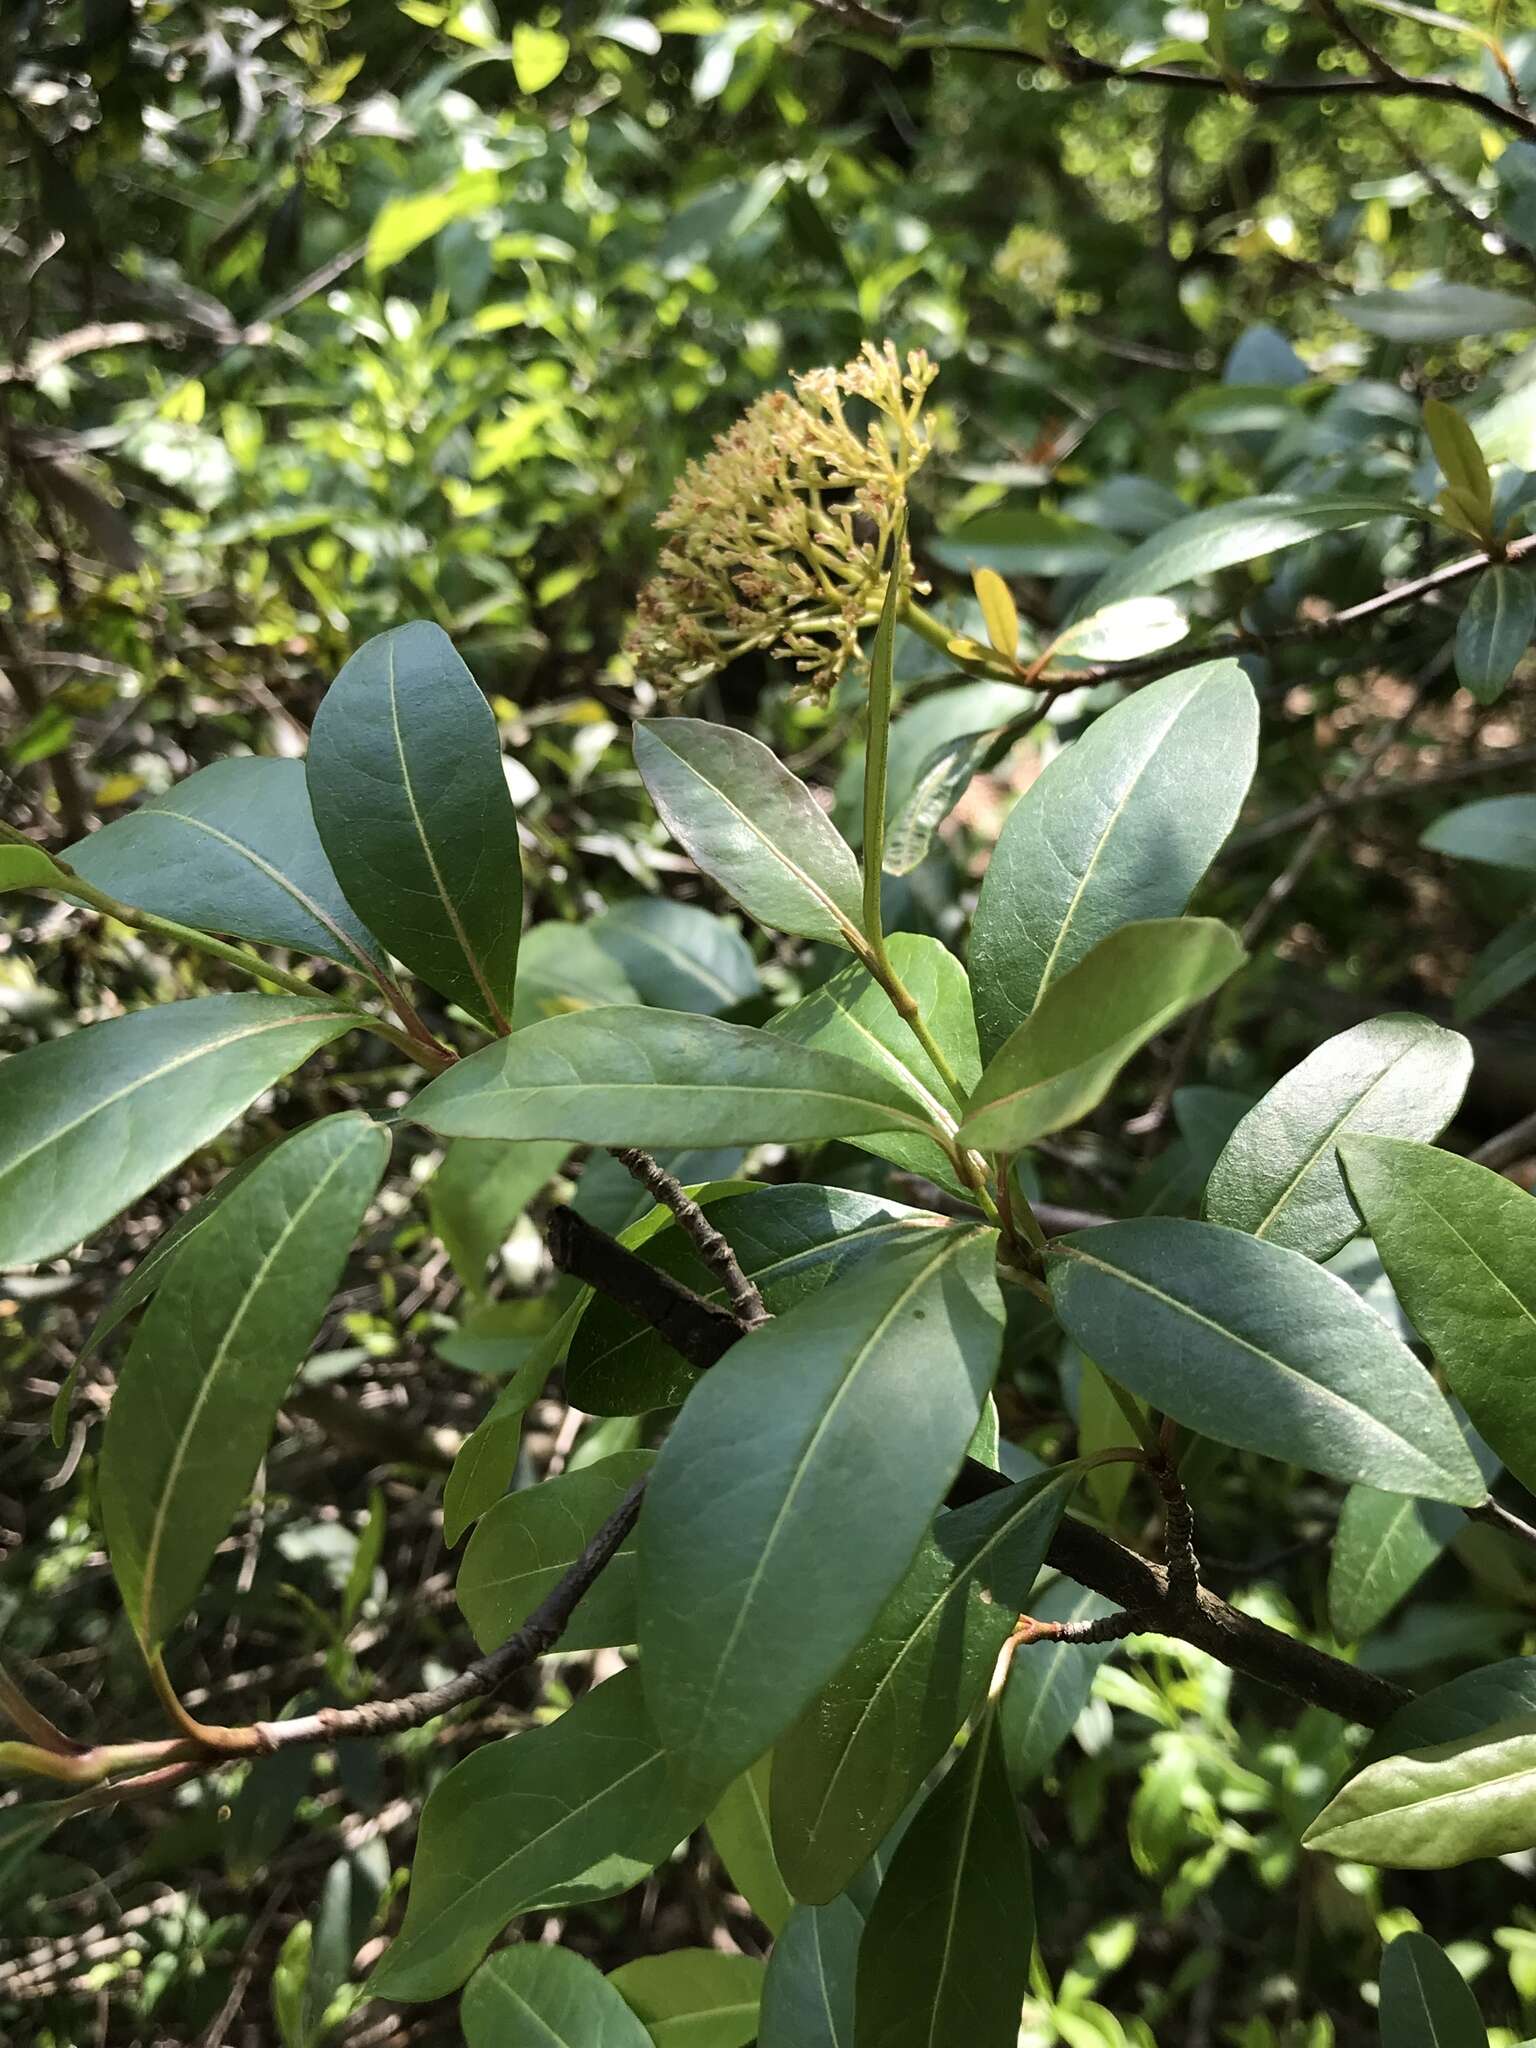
point(658, 1077)
point(946, 1953)
point(478, 1192)
point(407, 220)
point(1062, 1060)
point(808, 1991)
point(878, 738)
point(853, 1016)
point(1121, 631)
point(677, 956)
point(845, 1773)
point(1383, 1546)
point(743, 1841)
point(1459, 1708)
point(507, 1829)
point(693, 1997)
point(1109, 835)
point(1506, 965)
point(560, 967)
point(752, 827)
point(1048, 1684)
point(833, 1431)
point(933, 795)
point(1494, 630)
point(538, 56)
point(535, 1996)
point(1459, 1245)
point(1279, 1176)
point(28, 867)
point(920, 729)
point(1224, 535)
point(1499, 830)
point(1436, 311)
point(1425, 2001)
point(791, 1240)
point(528, 1540)
point(487, 1458)
point(1432, 1809)
point(89, 1121)
point(1458, 454)
point(999, 611)
point(214, 1356)
point(411, 804)
point(232, 849)
point(1256, 1346)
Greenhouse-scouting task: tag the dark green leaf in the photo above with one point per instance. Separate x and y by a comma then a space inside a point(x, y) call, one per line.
point(535, 1996)
point(1256, 1346)
point(1108, 835)
point(677, 956)
point(946, 1953)
point(508, 1829)
point(232, 849)
point(1506, 965)
point(1384, 1545)
point(1498, 830)
point(743, 1841)
point(1459, 1243)
point(528, 1540)
point(214, 1356)
point(1432, 1809)
point(791, 1240)
point(845, 1773)
point(834, 1431)
point(91, 1120)
point(1450, 1712)
point(1048, 1684)
point(853, 1016)
point(478, 1192)
point(752, 826)
point(1425, 2002)
point(658, 1077)
point(412, 806)
point(1494, 630)
point(1062, 1060)
point(693, 1997)
point(808, 1991)
point(1279, 1176)
point(1220, 537)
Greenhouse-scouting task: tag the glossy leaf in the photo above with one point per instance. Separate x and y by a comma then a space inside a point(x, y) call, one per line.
point(538, 1996)
point(659, 1077)
point(232, 849)
point(831, 1434)
point(693, 1997)
point(1219, 538)
point(89, 1121)
point(1063, 1059)
point(528, 1540)
point(1494, 630)
point(411, 804)
point(1458, 1243)
point(845, 1773)
point(214, 1356)
point(1108, 835)
point(1121, 631)
point(999, 611)
point(478, 1192)
point(1432, 1809)
point(809, 1988)
point(1425, 2000)
point(1498, 830)
point(853, 1016)
point(590, 1793)
point(751, 826)
point(946, 1953)
point(677, 956)
point(1504, 967)
point(1048, 1684)
point(1256, 1346)
point(1279, 1175)
point(791, 1240)
point(1461, 1707)
point(1383, 1546)
point(743, 1840)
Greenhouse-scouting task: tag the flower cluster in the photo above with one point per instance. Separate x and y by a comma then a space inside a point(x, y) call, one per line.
point(781, 539)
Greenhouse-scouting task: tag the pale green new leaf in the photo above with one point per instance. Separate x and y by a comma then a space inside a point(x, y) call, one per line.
point(478, 1192)
point(743, 1840)
point(28, 867)
point(693, 1997)
point(214, 1356)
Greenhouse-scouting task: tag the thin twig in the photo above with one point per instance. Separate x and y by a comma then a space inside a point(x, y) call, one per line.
point(1518, 1142)
point(1377, 791)
point(711, 1246)
point(1497, 1516)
